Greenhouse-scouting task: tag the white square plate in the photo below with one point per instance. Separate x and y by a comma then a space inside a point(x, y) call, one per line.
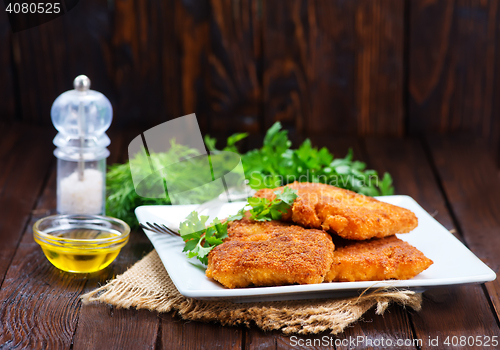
point(453, 262)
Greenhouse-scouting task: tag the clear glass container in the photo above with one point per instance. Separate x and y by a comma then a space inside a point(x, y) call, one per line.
point(81, 116)
point(86, 196)
point(81, 243)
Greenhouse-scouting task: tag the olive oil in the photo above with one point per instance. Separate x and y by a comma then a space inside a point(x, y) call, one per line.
point(81, 250)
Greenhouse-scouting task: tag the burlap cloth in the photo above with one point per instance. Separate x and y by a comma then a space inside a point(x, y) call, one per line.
point(146, 285)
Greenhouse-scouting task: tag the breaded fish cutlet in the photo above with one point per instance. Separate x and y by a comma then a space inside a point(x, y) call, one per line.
point(375, 259)
point(345, 213)
point(270, 253)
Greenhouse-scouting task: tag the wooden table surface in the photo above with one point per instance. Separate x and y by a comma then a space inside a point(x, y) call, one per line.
point(453, 178)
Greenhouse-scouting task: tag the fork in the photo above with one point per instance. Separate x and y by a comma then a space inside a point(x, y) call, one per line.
point(161, 228)
point(154, 227)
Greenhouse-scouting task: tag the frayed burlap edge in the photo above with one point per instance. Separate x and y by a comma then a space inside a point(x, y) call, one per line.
point(146, 285)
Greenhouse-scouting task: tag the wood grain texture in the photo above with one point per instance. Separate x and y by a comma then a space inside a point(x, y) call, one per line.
point(57, 294)
point(8, 151)
point(7, 93)
point(380, 67)
point(188, 53)
point(376, 329)
point(454, 312)
point(308, 65)
point(453, 75)
point(104, 326)
point(27, 171)
point(257, 339)
point(234, 77)
point(409, 166)
point(48, 317)
point(40, 306)
point(39, 302)
point(137, 46)
point(50, 56)
point(42, 79)
point(179, 334)
point(51, 292)
point(321, 67)
point(87, 35)
point(468, 175)
point(334, 67)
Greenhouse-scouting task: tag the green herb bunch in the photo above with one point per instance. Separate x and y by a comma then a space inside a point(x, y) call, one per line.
point(274, 164)
point(122, 198)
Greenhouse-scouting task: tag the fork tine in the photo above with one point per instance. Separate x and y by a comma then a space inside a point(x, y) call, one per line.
point(157, 226)
point(147, 227)
point(144, 227)
point(154, 227)
point(170, 230)
point(166, 228)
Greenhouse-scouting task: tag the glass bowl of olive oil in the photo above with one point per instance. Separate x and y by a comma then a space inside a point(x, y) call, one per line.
point(81, 243)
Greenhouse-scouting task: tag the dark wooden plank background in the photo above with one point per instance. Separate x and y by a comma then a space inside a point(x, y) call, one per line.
point(40, 305)
point(356, 68)
point(334, 67)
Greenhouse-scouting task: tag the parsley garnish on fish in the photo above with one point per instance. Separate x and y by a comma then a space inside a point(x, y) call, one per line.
point(265, 210)
point(200, 239)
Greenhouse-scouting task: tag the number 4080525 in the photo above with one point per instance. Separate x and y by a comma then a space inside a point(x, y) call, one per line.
point(33, 8)
point(480, 340)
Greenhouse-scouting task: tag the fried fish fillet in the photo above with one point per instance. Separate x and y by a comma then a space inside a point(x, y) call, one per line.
point(346, 213)
point(270, 253)
point(375, 259)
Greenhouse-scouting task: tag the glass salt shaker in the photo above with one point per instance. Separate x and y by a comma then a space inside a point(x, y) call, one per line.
point(81, 116)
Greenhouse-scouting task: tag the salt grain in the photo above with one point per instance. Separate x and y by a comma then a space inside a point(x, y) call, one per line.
point(82, 197)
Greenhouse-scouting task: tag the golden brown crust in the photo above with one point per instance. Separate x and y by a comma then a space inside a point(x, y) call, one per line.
point(270, 254)
point(376, 259)
point(346, 213)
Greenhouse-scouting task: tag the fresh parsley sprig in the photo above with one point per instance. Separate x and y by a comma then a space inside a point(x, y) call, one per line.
point(265, 210)
point(200, 239)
